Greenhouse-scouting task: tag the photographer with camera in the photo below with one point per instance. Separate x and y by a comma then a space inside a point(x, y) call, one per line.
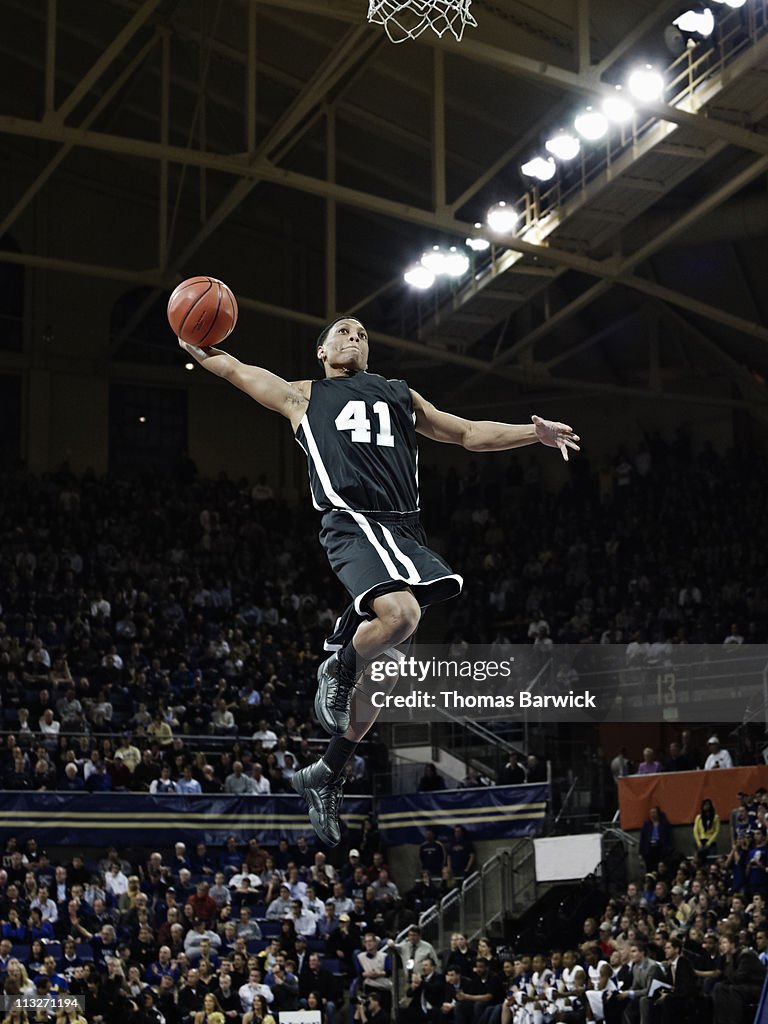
point(369, 1009)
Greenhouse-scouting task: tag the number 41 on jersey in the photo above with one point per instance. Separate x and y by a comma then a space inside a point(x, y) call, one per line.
point(354, 418)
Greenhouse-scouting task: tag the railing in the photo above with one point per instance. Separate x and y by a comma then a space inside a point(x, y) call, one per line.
point(505, 885)
point(541, 211)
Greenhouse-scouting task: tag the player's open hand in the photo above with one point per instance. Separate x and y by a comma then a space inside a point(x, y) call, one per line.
point(556, 435)
point(200, 354)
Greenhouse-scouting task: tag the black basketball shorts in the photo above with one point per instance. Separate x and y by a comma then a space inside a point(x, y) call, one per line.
point(376, 553)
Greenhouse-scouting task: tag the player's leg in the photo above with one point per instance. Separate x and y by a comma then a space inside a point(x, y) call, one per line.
point(321, 783)
point(396, 616)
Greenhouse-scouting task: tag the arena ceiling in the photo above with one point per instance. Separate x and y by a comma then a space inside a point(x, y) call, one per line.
point(641, 276)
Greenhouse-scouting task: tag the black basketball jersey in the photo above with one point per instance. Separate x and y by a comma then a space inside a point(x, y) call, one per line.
point(359, 437)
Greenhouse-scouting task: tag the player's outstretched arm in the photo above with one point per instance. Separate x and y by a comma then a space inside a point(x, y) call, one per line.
point(488, 435)
point(262, 385)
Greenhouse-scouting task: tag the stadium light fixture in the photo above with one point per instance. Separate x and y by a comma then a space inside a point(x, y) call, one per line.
point(434, 259)
point(455, 262)
point(477, 244)
point(591, 124)
point(563, 146)
point(502, 218)
point(646, 84)
point(618, 109)
point(700, 23)
point(417, 276)
point(540, 167)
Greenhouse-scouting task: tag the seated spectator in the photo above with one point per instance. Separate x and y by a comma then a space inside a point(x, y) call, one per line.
point(191, 995)
point(423, 895)
point(211, 1012)
point(200, 931)
point(342, 944)
point(245, 927)
point(258, 1011)
point(369, 1010)
point(743, 976)
point(253, 988)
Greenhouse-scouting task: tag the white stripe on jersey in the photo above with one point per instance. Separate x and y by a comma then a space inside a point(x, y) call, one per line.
point(339, 503)
point(403, 559)
point(322, 472)
point(311, 491)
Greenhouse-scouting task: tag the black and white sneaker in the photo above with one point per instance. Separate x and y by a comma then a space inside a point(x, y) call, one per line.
point(323, 794)
point(333, 700)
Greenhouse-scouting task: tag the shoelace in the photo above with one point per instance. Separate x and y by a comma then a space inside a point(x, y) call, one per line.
point(339, 691)
point(333, 798)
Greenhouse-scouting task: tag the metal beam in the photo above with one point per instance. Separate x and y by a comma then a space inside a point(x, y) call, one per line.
point(114, 49)
point(330, 216)
point(643, 26)
point(593, 339)
point(102, 103)
point(263, 170)
point(720, 316)
point(50, 57)
point(734, 368)
point(507, 156)
point(529, 378)
point(624, 274)
point(583, 57)
point(284, 133)
point(162, 208)
point(251, 83)
point(341, 10)
point(438, 131)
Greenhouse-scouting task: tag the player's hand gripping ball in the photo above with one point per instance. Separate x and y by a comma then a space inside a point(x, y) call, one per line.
point(202, 311)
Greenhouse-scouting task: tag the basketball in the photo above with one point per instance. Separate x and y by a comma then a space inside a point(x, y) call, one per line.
point(202, 311)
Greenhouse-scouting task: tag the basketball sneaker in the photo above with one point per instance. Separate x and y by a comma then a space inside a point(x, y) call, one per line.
point(333, 700)
point(323, 793)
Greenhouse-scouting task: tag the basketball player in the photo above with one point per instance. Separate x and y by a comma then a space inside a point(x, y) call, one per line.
point(358, 431)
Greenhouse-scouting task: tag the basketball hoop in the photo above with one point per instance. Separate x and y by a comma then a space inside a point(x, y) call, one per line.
point(409, 18)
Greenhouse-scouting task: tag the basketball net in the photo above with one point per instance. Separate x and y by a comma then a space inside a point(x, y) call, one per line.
point(408, 19)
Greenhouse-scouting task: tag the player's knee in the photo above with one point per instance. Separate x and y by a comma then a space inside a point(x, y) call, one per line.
point(399, 613)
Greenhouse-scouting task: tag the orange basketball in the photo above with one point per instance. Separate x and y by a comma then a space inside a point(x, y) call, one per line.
point(202, 311)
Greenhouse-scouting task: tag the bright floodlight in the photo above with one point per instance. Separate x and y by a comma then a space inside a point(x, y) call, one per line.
point(477, 244)
point(418, 276)
point(731, 3)
point(455, 263)
point(617, 109)
point(434, 259)
point(502, 218)
point(646, 84)
point(540, 167)
point(700, 22)
point(563, 146)
point(591, 125)
point(189, 366)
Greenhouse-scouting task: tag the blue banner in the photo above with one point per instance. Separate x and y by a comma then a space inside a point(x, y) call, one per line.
point(492, 812)
point(136, 818)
